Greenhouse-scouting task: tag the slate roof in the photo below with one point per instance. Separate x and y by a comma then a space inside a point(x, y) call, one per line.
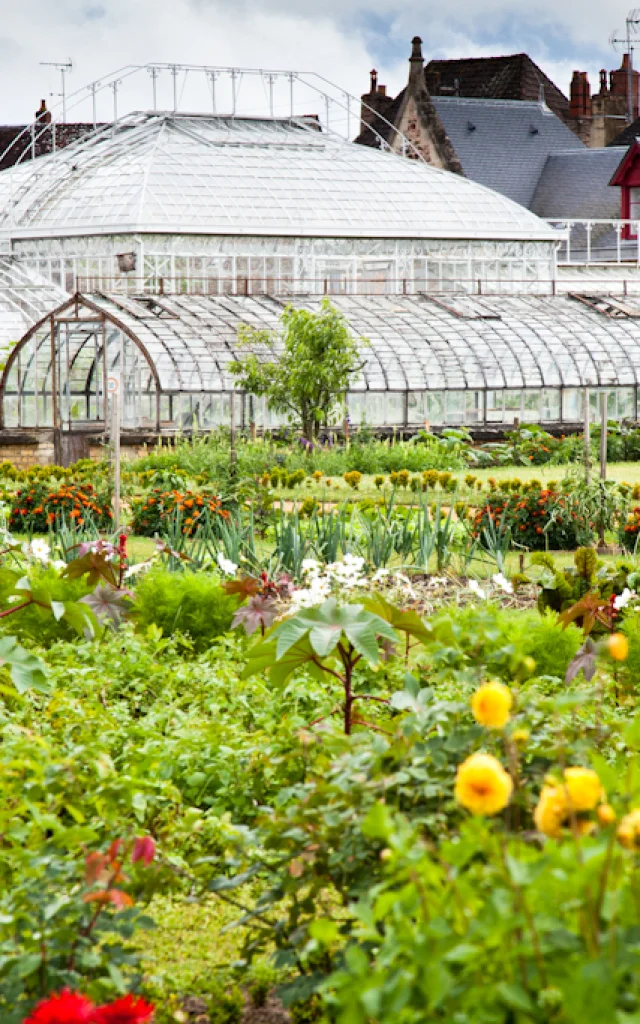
point(504, 144)
point(627, 136)
point(575, 183)
point(15, 140)
point(512, 77)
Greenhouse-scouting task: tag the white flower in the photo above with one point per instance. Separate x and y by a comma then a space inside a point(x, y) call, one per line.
point(622, 600)
point(348, 573)
point(310, 565)
point(379, 575)
point(226, 566)
point(133, 570)
point(476, 589)
point(38, 549)
point(500, 580)
point(405, 584)
point(437, 581)
point(311, 596)
point(58, 564)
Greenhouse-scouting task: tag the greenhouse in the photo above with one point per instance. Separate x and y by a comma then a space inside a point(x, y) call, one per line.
point(217, 205)
point(132, 257)
point(479, 362)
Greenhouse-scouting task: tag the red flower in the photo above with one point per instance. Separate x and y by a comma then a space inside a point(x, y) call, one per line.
point(124, 1011)
point(65, 1008)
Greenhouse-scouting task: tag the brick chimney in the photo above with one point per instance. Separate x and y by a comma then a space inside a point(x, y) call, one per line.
point(619, 85)
point(374, 102)
point(43, 116)
point(580, 103)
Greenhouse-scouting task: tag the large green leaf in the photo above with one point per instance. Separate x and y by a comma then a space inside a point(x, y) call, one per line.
point(262, 658)
point(328, 623)
point(406, 621)
point(27, 671)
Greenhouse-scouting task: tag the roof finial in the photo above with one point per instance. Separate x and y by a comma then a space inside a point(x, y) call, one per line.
point(416, 60)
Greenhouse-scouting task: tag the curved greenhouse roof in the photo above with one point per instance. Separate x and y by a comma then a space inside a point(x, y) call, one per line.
point(415, 343)
point(159, 173)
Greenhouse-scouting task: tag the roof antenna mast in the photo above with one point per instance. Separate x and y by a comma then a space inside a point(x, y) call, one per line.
point(632, 22)
point(64, 67)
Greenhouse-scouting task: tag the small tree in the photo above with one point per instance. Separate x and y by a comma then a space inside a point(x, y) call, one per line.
point(305, 370)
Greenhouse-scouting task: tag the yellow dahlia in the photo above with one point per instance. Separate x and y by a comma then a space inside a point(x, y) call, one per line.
point(552, 811)
point(584, 788)
point(482, 785)
point(491, 705)
point(606, 814)
point(618, 646)
point(629, 829)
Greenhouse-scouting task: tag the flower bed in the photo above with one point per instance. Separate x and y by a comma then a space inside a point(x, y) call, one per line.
point(538, 519)
point(150, 514)
point(35, 509)
point(630, 530)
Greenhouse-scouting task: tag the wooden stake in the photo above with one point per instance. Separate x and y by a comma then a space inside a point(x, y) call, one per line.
point(587, 438)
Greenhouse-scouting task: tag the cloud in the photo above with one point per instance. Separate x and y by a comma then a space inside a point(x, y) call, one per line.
point(340, 39)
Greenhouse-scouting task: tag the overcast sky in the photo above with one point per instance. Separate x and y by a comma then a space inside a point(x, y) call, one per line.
point(341, 39)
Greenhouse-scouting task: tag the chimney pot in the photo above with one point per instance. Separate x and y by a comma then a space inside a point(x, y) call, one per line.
point(374, 81)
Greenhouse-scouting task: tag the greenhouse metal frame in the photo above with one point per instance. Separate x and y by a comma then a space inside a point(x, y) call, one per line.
point(445, 361)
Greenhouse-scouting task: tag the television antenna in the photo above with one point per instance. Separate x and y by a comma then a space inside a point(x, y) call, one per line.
point(63, 67)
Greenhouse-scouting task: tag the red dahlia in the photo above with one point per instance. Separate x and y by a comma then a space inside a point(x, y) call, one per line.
point(128, 1010)
point(64, 1008)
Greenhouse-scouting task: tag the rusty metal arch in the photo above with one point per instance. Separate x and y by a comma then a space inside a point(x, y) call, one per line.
point(101, 314)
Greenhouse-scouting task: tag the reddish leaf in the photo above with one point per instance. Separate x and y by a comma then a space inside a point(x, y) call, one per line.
point(144, 849)
point(245, 587)
point(117, 897)
point(95, 867)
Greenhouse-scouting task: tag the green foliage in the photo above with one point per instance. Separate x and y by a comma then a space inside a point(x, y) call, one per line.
point(36, 623)
point(561, 589)
point(312, 364)
point(193, 603)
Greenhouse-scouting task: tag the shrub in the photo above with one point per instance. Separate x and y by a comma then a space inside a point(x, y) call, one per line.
point(308, 506)
point(296, 478)
point(630, 530)
point(353, 479)
point(538, 519)
point(191, 603)
point(150, 514)
point(431, 477)
point(403, 478)
point(35, 509)
point(379, 481)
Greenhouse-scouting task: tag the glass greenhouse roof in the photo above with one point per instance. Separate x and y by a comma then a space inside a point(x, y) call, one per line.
point(159, 173)
point(416, 343)
point(24, 298)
